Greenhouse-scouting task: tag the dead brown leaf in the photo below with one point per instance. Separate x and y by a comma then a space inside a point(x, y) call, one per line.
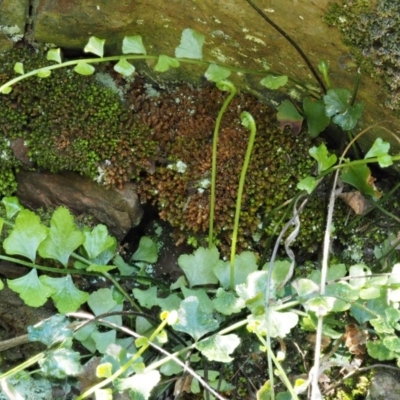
point(356, 201)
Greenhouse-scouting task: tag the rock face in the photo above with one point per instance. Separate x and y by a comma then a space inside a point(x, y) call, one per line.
point(118, 209)
point(235, 35)
point(13, 19)
point(384, 385)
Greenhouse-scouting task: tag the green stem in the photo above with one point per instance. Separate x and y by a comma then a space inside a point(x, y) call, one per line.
point(112, 279)
point(31, 361)
point(98, 60)
point(249, 122)
point(122, 290)
point(228, 86)
point(48, 269)
point(282, 373)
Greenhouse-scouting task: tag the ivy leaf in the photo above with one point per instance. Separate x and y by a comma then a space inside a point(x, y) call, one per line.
point(191, 45)
point(289, 116)
point(19, 68)
point(280, 323)
point(147, 251)
point(379, 351)
point(54, 55)
point(12, 205)
point(140, 385)
point(219, 347)
point(133, 45)
point(102, 301)
point(31, 289)
point(206, 305)
point(147, 298)
point(193, 321)
point(95, 46)
point(227, 303)
point(392, 343)
point(43, 73)
point(124, 68)
point(360, 177)
point(274, 82)
point(61, 363)
point(6, 90)
point(124, 268)
point(66, 296)
point(103, 340)
point(348, 119)
point(199, 267)
point(83, 68)
point(337, 104)
point(215, 73)
point(164, 63)
point(380, 149)
point(98, 241)
point(245, 264)
point(308, 184)
point(26, 235)
point(50, 331)
point(64, 237)
point(253, 291)
point(336, 101)
point(320, 153)
point(317, 120)
point(336, 271)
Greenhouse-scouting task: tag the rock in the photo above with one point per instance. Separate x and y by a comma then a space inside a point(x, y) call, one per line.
point(13, 19)
point(385, 385)
point(235, 34)
point(118, 209)
point(70, 23)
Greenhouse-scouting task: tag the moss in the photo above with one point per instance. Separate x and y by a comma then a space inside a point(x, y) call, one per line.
point(373, 33)
point(183, 121)
point(70, 122)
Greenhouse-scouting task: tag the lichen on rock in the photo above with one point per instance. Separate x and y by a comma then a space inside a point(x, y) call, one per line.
point(373, 32)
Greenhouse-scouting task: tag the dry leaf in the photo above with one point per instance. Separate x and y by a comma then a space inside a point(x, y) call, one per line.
point(325, 341)
point(183, 384)
point(355, 339)
point(356, 201)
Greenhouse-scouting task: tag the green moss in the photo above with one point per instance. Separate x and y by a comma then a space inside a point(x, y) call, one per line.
point(373, 33)
point(70, 122)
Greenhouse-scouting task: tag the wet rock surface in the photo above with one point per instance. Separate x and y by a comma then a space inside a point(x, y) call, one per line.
point(385, 385)
point(118, 209)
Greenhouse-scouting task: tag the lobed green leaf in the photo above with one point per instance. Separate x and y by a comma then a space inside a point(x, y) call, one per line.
point(83, 68)
point(193, 321)
point(191, 45)
point(199, 267)
point(215, 73)
point(219, 347)
point(274, 82)
point(26, 235)
point(31, 289)
point(164, 63)
point(147, 251)
point(66, 296)
point(64, 237)
point(54, 55)
point(133, 45)
point(124, 67)
point(95, 46)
